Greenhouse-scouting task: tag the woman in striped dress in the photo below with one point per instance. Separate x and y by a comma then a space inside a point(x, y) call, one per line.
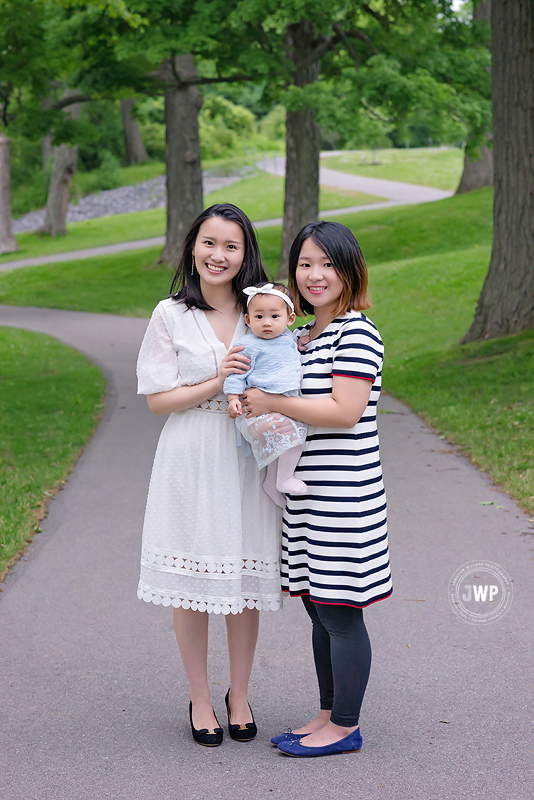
point(335, 537)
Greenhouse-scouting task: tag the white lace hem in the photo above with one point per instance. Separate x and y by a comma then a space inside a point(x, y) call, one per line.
point(162, 561)
point(210, 605)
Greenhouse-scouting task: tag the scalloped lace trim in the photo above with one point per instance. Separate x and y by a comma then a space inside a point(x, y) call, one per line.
point(211, 606)
point(162, 561)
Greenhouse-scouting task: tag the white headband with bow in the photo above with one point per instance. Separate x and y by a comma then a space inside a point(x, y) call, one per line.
point(252, 291)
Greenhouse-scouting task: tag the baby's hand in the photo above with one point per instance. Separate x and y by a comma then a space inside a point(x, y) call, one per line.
point(302, 342)
point(234, 408)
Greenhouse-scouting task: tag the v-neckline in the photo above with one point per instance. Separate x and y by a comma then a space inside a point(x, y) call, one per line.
point(235, 334)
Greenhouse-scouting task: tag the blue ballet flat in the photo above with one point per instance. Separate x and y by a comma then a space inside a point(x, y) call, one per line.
point(350, 744)
point(287, 737)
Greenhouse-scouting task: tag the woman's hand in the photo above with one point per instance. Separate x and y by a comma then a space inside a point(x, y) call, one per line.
point(303, 342)
point(255, 402)
point(234, 361)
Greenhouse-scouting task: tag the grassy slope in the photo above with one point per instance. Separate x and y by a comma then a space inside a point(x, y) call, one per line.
point(261, 197)
point(84, 183)
point(50, 399)
point(426, 264)
point(425, 166)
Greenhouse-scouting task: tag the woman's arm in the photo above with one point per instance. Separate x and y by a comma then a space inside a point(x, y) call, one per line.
point(342, 410)
point(184, 397)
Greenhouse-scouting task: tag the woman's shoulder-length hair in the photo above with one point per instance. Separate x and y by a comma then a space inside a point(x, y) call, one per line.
point(185, 286)
point(341, 247)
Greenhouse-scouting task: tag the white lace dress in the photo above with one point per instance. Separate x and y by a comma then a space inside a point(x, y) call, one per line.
point(211, 537)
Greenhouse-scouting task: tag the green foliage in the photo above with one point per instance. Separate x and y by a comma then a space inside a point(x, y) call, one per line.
point(107, 175)
point(273, 124)
point(103, 124)
point(50, 400)
point(28, 181)
point(223, 126)
point(23, 53)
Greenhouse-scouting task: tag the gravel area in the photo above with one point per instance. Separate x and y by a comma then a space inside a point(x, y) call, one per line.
point(124, 200)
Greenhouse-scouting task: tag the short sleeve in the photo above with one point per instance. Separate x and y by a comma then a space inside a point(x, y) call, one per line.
point(157, 364)
point(359, 352)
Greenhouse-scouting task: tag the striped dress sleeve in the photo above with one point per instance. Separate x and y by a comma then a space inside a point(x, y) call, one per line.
point(359, 352)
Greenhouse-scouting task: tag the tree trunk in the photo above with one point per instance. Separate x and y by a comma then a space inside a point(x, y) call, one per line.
point(301, 202)
point(46, 142)
point(506, 303)
point(182, 154)
point(133, 144)
point(63, 168)
point(478, 173)
point(8, 243)
point(46, 150)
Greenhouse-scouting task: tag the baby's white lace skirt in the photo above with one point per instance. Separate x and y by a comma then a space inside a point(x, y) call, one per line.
point(270, 435)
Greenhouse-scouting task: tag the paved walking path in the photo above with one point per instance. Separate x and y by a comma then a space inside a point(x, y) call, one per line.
point(94, 700)
point(395, 192)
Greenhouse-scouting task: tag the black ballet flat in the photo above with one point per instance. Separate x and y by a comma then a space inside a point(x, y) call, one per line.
point(206, 736)
point(241, 733)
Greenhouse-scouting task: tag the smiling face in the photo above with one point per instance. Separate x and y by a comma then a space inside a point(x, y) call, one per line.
point(268, 316)
point(317, 280)
point(219, 251)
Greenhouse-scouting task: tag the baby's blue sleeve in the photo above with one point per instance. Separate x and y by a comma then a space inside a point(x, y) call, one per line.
point(237, 383)
point(234, 384)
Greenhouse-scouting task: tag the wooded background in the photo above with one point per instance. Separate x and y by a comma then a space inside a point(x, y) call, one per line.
point(91, 85)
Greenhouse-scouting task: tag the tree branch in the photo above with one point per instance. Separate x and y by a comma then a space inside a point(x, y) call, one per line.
point(351, 51)
point(5, 98)
point(375, 113)
point(327, 43)
point(68, 101)
point(364, 38)
point(384, 21)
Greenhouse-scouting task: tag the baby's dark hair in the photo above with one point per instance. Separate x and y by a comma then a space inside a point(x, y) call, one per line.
point(279, 286)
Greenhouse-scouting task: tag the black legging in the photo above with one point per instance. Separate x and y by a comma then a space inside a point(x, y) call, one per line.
point(342, 654)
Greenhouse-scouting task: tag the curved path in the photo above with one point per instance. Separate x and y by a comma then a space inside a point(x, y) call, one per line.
point(94, 700)
point(396, 193)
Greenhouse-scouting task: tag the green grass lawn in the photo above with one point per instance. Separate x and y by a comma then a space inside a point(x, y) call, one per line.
point(261, 197)
point(427, 264)
point(425, 166)
point(50, 400)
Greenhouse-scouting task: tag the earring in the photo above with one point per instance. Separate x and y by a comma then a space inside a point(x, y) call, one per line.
point(192, 263)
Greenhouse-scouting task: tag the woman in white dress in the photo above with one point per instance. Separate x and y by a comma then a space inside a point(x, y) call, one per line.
point(211, 535)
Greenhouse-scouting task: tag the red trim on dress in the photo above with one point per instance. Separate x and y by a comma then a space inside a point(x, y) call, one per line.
point(345, 605)
point(358, 377)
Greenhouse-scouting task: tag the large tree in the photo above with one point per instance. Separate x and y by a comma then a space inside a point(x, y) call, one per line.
point(385, 55)
point(22, 75)
point(506, 303)
point(160, 57)
point(478, 157)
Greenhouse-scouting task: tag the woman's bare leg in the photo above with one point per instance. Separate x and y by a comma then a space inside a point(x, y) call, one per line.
point(191, 630)
point(242, 631)
point(315, 724)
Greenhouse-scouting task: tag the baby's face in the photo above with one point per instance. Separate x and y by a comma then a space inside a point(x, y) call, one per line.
point(268, 316)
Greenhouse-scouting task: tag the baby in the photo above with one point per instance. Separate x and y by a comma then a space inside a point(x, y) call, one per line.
point(276, 441)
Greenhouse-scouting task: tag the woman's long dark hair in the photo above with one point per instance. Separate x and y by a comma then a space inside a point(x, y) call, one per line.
point(186, 287)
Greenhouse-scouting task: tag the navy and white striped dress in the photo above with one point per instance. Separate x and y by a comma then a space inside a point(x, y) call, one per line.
point(335, 545)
